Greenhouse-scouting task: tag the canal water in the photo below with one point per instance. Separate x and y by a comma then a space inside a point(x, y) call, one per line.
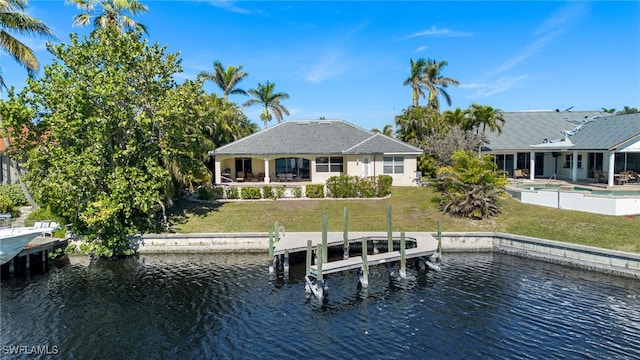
point(480, 306)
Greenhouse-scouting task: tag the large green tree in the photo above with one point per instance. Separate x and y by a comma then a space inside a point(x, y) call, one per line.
point(439, 135)
point(226, 120)
point(110, 134)
point(110, 13)
point(266, 96)
point(226, 79)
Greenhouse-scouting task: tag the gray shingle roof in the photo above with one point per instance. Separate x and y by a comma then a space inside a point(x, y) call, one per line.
point(313, 137)
point(522, 129)
point(608, 133)
point(382, 144)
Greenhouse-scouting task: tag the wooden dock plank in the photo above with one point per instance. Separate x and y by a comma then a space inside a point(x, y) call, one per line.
point(297, 241)
point(427, 245)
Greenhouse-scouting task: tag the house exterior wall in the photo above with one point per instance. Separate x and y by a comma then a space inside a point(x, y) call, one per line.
point(353, 165)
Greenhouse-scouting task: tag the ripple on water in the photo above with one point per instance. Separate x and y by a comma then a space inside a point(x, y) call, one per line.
point(228, 306)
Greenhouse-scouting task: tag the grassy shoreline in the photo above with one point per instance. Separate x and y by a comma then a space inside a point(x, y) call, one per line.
point(413, 209)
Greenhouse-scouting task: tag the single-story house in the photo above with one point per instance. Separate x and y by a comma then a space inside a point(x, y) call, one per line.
point(574, 146)
point(313, 151)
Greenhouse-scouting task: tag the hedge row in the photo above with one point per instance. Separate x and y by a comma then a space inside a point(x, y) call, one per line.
point(356, 187)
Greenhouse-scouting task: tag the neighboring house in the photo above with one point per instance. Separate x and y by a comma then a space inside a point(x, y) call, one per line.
point(573, 146)
point(313, 151)
point(9, 173)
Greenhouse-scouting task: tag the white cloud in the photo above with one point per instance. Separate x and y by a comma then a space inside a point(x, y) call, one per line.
point(548, 31)
point(229, 5)
point(472, 86)
point(327, 66)
point(498, 86)
point(421, 48)
point(444, 32)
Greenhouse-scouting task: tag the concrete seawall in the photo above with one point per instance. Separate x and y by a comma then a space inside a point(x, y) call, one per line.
point(584, 257)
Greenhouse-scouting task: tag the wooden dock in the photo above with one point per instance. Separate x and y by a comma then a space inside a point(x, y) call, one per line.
point(422, 246)
point(425, 246)
point(37, 251)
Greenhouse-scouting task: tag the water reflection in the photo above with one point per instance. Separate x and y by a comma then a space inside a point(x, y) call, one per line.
point(229, 306)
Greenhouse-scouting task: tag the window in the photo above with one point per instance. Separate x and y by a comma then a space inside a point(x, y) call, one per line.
point(393, 165)
point(243, 164)
point(568, 159)
point(329, 164)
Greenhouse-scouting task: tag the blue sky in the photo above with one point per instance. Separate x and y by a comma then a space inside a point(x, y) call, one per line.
point(348, 60)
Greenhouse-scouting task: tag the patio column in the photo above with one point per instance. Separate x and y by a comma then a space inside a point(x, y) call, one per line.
point(574, 166)
point(532, 165)
point(267, 179)
point(217, 171)
point(612, 166)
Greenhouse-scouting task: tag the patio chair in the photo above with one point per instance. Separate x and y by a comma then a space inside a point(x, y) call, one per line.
point(240, 176)
point(250, 177)
point(288, 176)
point(261, 176)
point(621, 178)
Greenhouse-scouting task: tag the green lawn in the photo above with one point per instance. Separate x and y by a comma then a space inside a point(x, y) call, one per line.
point(413, 209)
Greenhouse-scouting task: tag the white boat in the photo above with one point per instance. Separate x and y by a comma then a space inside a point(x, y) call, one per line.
point(14, 239)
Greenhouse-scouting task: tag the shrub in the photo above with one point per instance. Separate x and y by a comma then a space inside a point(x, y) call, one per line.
point(268, 193)
point(218, 192)
point(232, 193)
point(367, 187)
point(297, 191)
point(315, 191)
point(250, 192)
point(7, 206)
point(280, 192)
point(43, 214)
point(204, 193)
point(342, 186)
point(471, 187)
point(384, 185)
point(14, 192)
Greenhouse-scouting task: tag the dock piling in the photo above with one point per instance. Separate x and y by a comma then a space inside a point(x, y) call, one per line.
point(270, 251)
point(345, 234)
point(325, 225)
point(389, 230)
point(286, 261)
point(320, 278)
point(439, 250)
point(364, 277)
point(403, 259)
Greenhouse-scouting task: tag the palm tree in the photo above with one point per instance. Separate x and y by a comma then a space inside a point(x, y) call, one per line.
point(457, 117)
point(486, 116)
point(270, 100)
point(112, 14)
point(227, 79)
point(386, 130)
point(415, 79)
point(435, 83)
point(13, 19)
